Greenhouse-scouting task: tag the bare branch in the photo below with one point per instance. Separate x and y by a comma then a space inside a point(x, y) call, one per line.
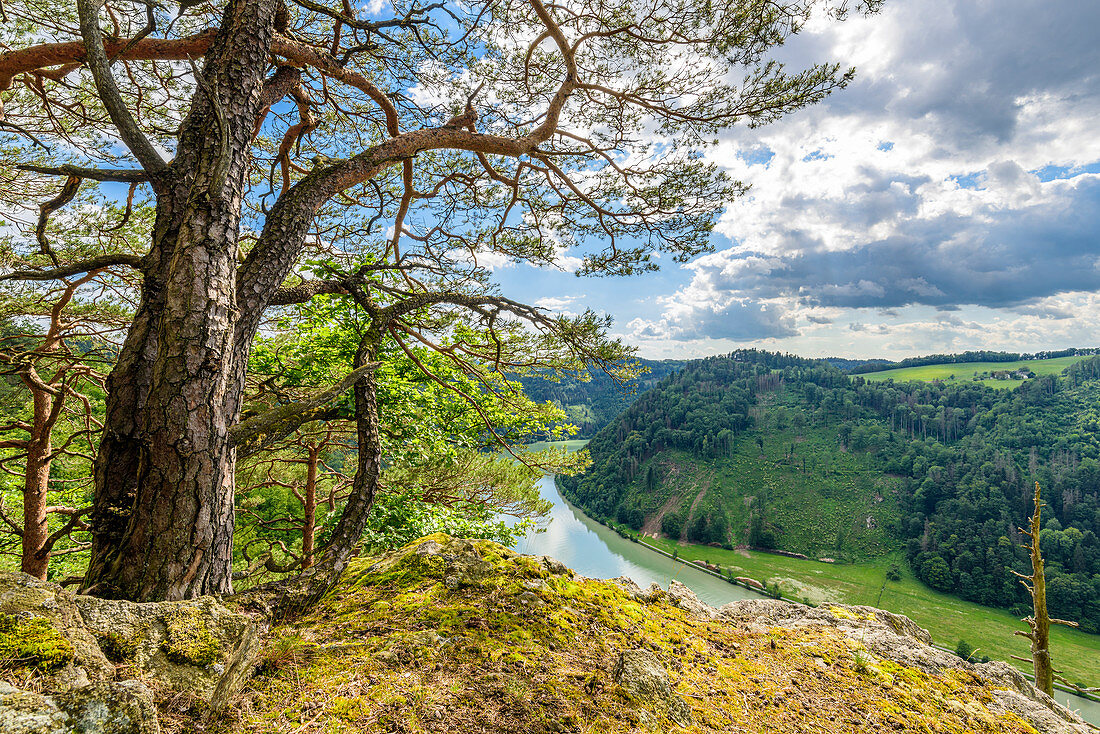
point(68, 193)
point(96, 174)
point(84, 266)
point(71, 54)
point(100, 67)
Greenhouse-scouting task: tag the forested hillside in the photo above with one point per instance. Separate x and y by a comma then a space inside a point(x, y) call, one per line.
point(771, 450)
point(592, 404)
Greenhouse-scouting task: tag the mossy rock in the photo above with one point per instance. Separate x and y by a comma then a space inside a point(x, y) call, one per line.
point(75, 661)
point(181, 644)
point(118, 648)
point(189, 639)
point(449, 635)
point(32, 642)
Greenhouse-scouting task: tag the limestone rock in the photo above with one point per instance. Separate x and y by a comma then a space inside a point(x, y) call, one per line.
point(642, 676)
point(98, 708)
point(897, 638)
point(685, 598)
point(630, 587)
point(27, 598)
point(184, 644)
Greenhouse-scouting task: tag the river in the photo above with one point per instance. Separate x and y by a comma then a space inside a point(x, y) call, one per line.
point(593, 550)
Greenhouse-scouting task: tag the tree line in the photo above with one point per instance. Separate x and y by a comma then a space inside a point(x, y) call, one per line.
point(966, 457)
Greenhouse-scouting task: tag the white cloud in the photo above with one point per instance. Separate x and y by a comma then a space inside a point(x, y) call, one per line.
point(960, 171)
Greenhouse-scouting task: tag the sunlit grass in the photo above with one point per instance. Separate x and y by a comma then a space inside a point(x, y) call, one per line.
point(965, 371)
point(948, 618)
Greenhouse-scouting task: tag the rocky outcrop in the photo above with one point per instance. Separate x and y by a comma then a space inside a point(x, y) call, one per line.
point(450, 635)
point(644, 679)
point(896, 638)
point(97, 708)
point(73, 649)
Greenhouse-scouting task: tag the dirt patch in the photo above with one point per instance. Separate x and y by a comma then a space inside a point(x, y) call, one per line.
point(652, 526)
point(704, 482)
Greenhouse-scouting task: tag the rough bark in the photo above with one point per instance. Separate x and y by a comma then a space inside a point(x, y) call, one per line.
point(163, 527)
point(36, 482)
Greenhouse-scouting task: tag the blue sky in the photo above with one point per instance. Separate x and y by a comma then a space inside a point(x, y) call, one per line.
point(949, 199)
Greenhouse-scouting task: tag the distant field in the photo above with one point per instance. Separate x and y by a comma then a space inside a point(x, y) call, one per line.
point(948, 618)
point(966, 371)
point(571, 445)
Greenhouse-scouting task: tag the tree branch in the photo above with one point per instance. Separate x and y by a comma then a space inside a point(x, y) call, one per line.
point(95, 174)
point(73, 53)
point(257, 433)
point(83, 266)
point(74, 523)
point(303, 292)
point(100, 67)
point(68, 193)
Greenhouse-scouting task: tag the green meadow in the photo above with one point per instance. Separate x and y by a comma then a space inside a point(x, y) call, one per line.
point(967, 371)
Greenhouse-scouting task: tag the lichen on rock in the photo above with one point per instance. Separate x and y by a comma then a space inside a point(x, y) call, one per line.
point(181, 644)
point(645, 680)
point(98, 708)
point(449, 635)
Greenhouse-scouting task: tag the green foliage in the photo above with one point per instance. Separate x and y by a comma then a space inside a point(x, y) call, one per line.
point(964, 650)
point(962, 358)
point(672, 525)
point(442, 426)
point(936, 573)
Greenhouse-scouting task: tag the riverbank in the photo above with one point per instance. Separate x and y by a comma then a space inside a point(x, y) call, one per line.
point(686, 555)
point(948, 619)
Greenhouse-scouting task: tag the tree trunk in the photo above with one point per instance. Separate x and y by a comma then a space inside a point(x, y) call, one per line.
point(163, 521)
point(1040, 628)
point(36, 482)
point(309, 521)
point(298, 594)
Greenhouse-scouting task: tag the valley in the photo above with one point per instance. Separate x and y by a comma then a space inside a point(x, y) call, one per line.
point(925, 482)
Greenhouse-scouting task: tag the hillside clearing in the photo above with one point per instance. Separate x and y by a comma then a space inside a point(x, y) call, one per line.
point(966, 371)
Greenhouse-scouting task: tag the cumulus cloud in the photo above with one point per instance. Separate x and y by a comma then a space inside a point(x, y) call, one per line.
point(558, 304)
point(960, 171)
